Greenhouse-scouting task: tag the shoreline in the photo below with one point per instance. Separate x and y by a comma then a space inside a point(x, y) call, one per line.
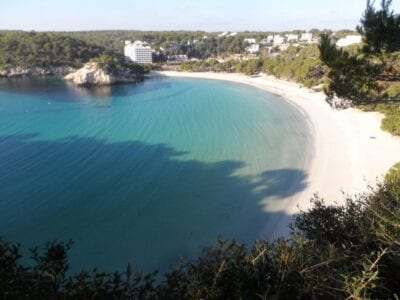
point(351, 152)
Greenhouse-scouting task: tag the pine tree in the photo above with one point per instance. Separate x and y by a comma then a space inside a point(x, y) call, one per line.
point(380, 28)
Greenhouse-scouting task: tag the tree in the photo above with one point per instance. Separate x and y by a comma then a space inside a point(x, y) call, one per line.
point(351, 77)
point(27, 50)
point(299, 64)
point(369, 74)
point(380, 28)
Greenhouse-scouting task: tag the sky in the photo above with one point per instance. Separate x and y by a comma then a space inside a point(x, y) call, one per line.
point(207, 15)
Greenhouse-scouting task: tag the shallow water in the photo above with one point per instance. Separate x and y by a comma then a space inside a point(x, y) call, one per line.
point(145, 173)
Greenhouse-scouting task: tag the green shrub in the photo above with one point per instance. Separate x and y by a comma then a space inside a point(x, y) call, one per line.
point(393, 176)
point(393, 92)
point(391, 120)
point(298, 64)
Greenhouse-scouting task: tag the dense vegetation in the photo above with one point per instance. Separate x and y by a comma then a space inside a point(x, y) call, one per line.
point(196, 44)
point(370, 74)
point(381, 29)
point(214, 44)
point(248, 67)
point(298, 64)
point(74, 48)
point(44, 50)
point(203, 48)
point(113, 40)
point(334, 252)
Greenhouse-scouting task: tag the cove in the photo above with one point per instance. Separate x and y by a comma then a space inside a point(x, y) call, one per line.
point(146, 173)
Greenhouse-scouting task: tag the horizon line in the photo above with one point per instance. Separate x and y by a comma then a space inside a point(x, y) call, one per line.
point(177, 30)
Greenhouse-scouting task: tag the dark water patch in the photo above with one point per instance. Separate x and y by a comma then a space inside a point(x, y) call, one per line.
point(55, 89)
point(130, 201)
point(282, 183)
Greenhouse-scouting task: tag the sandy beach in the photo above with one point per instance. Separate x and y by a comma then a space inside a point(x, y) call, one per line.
point(351, 152)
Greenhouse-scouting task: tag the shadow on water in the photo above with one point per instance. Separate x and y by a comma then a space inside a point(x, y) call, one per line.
point(53, 88)
point(130, 201)
point(271, 182)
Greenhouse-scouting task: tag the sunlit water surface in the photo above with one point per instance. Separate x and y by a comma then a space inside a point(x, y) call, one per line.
point(145, 173)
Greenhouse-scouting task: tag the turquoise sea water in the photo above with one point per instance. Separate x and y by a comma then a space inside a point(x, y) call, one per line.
point(145, 173)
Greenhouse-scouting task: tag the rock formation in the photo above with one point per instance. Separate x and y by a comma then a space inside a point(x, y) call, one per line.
point(92, 74)
point(35, 71)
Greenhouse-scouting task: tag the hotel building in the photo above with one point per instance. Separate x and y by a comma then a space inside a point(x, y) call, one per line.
point(138, 52)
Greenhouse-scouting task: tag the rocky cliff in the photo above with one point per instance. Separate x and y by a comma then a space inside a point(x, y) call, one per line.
point(92, 74)
point(35, 71)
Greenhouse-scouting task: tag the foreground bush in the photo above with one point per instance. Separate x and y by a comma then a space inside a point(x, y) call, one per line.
point(334, 252)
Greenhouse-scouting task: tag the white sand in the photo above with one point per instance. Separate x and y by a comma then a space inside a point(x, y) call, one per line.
point(351, 151)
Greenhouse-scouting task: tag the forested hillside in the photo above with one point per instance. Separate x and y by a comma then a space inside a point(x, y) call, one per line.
point(26, 50)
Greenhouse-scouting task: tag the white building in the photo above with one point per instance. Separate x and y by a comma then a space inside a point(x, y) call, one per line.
point(292, 37)
point(178, 58)
point(278, 40)
point(253, 48)
point(250, 41)
point(223, 34)
point(267, 41)
point(233, 34)
point(138, 52)
point(349, 40)
point(306, 37)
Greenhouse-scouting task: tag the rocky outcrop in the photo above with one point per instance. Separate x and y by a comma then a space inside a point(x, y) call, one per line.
point(91, 74)
point(35, 71)
point(15, 72)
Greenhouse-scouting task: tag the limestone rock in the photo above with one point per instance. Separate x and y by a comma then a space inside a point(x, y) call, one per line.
point(90, 74)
